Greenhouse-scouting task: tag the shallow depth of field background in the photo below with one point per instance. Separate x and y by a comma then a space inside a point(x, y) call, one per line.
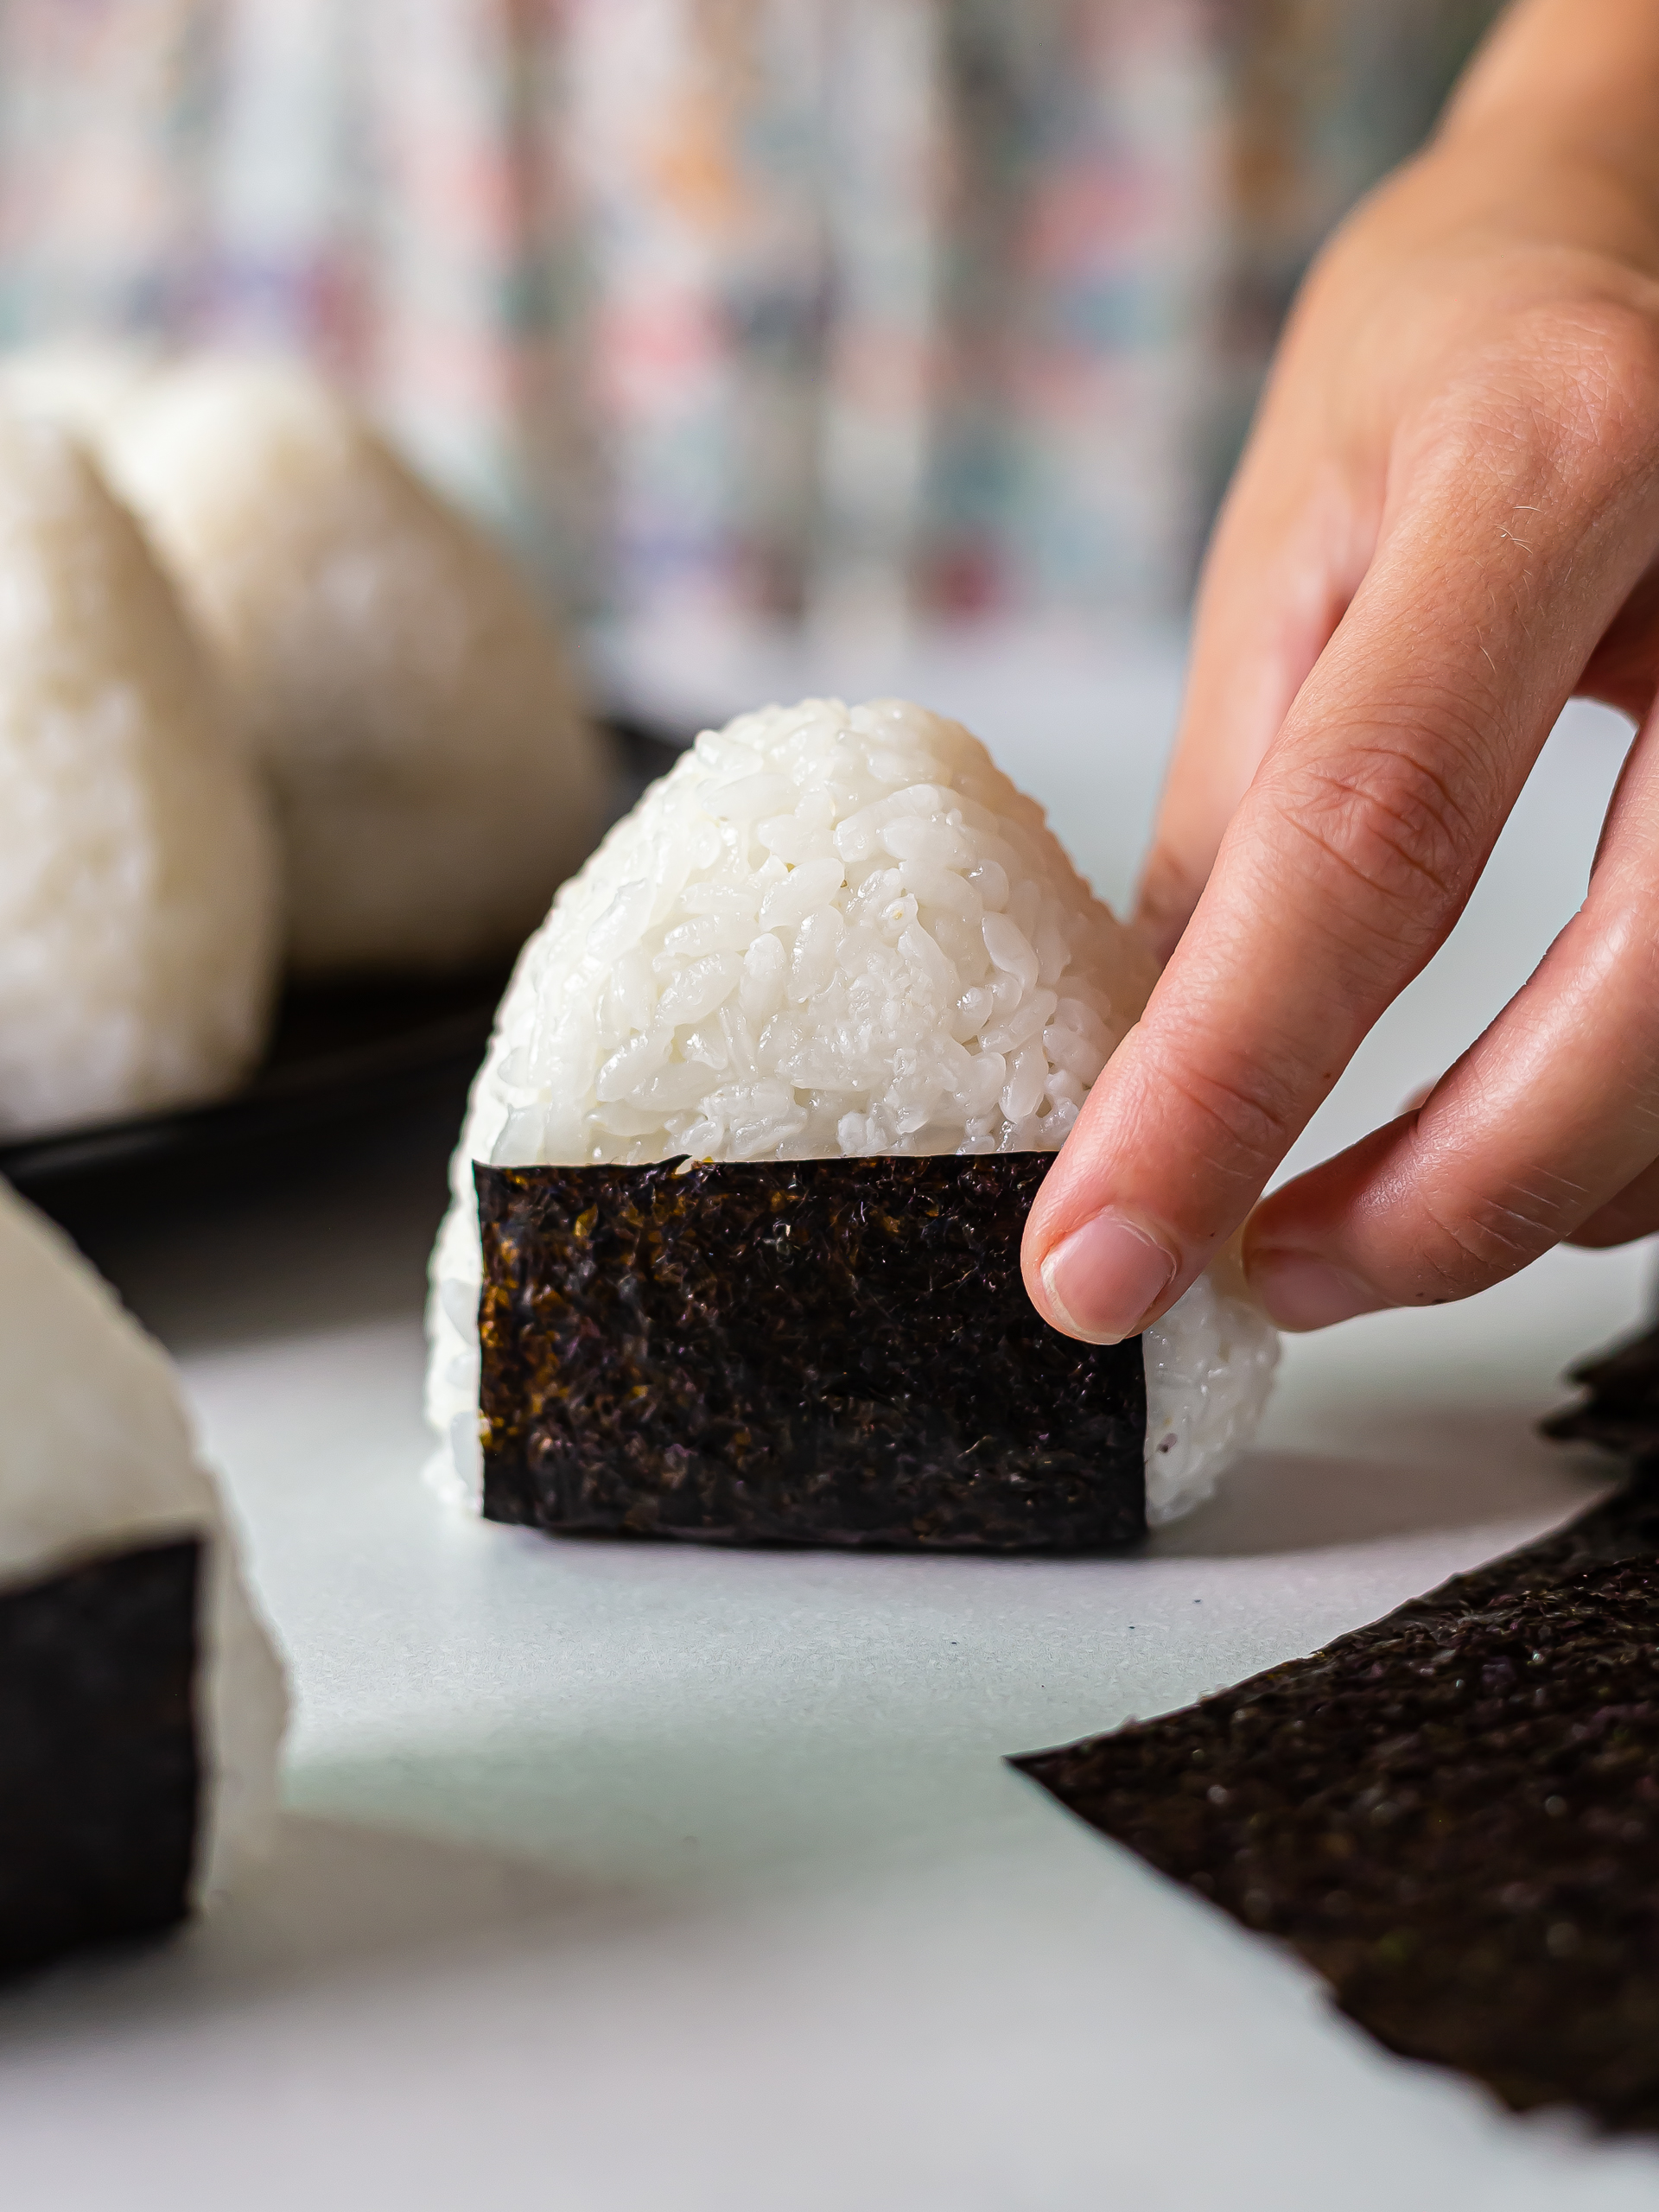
point(854, 313)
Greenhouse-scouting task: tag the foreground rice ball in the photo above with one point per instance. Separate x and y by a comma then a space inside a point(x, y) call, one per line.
point(143, 1706)
point(829, 932)
point(433, 776)
point(139, 931)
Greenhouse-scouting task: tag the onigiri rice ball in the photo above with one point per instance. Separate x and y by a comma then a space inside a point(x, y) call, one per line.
point(139, 929)
point(81, 383)
point(434, 775)
point(145, 1705)
point(828, 931)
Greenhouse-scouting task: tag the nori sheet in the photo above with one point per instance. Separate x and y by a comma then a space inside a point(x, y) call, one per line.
point(1453, 1815)
point(1620, 1411)
point(99, 1778)
point(824, 1351)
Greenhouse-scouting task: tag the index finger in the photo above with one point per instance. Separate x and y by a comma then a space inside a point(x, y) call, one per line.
point(1353, 854)
point(1288, 551)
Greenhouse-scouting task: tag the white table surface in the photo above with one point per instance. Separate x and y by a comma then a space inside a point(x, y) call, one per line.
point(622, 1877)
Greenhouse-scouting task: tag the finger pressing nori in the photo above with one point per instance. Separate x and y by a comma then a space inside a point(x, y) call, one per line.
point(99, 1777)
point(1453, 1815)
point(821, 1351)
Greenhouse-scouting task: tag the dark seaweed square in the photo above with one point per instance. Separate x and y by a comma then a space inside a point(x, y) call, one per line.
point(100, 1778)
point(829, 1351)
point(1620, 1408)
point(1453, 1815)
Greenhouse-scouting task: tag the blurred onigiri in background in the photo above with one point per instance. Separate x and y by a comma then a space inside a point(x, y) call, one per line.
point(262, 687)
point(843, 313)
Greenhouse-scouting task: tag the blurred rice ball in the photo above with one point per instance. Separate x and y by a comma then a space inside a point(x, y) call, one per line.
point(433, 775)
point(139, 925)
point(100, 1463)
point(81, 383)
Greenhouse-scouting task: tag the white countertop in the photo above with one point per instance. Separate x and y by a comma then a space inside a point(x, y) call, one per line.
point(622, 1877)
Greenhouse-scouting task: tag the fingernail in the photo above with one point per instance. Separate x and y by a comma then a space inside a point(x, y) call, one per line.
point(1103, 1279)
point(1302, 1293)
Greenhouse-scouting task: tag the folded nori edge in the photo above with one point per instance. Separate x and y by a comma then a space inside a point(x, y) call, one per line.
point(824, 1351)
point(1453, 1815)
point(100, 1780)
point(1621, 1409)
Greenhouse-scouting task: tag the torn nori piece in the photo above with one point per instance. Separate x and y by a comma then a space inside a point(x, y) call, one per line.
point(99, 1780)
point(821, 1351)
point(1453, 1815)
point(1621, 1413)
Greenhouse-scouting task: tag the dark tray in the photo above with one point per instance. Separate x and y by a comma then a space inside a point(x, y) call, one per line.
point(341, 1056)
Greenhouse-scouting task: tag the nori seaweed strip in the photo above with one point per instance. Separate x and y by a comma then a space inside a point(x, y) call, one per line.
point(1453, 1815)
point(822, 1351)
point(1621, 1413)
point(99, 1778)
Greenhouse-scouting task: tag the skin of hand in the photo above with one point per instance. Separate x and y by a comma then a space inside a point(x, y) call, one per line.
point(1446, 524)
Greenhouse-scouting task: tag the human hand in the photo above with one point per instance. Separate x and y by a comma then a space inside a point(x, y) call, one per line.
point(1446, 524)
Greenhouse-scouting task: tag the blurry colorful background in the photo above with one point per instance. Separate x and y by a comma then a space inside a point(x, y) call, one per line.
point(840, 311)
